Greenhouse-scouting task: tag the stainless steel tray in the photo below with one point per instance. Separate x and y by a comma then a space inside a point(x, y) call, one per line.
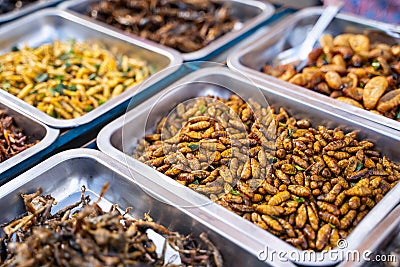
point(250, 13)
point(385, 235)
point(48, 25)
point(119, 138)
point(291, 32)
point(34, 129)
point(63, 175)
point(27, 9)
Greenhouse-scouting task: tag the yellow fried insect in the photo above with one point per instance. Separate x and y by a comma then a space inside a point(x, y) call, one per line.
point(270, 210)
point(257, 220)
point(347, 220)
point(373, 91)
point(269, 188)
point(201, 125)
point(195, 119)
point(288, 169)
point(360, 191)
point(333, 241)
point(279, 198)
point(359, 217)
point(313, 218)
point(335, 145)
point(212, 146)
point(274, 224)
point(329, 218)
point(282, 176)
point(262, 158)
point(332, 164)
point(301, 216)
point(246, 172)
point(359, 43)
point(354, 202)
point(299, 190)
point(245, 188)
point(328, 207)
point(331, 196)
point(299, 161)
point(309, 232)
point(194, 135)
point(323, 236)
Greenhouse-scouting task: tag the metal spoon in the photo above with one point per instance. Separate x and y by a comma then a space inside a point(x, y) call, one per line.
point(299, 54)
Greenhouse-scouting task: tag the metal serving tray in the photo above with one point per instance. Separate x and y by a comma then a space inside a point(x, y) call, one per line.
point(119, 138)
point(250, 13)
point(384, 236)
point(29, 8)
point(63, 175)
point(291, 32)
point(34, 130)
point(48, 25)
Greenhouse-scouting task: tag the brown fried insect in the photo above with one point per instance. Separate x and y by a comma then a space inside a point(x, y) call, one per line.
point(323, 236)
point(279, 198)
point(329, 218)
point(313, 218)
point(328, 207)
point(299, 190)
point(270, 210)
point(272, 223)
point(301, 216)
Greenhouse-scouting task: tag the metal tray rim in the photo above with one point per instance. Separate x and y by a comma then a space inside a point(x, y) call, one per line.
point(104, 144)
point(23, 11)
point(266, 8)
point(48, 139)
point(234, 63)
point(174, 57)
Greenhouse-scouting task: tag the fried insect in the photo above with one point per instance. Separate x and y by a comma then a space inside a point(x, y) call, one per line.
point(111, 238)
point(352, 69)
point(307, 177)
point(186, 26)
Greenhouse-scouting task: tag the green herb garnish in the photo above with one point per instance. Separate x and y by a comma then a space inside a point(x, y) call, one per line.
point(15, 48)
point(272, 160)
point(362, 84)
point(235, 193)
point(352, 184)
point(359, 166)
point(72, 88)
point(42, 77)
point(298, 167)
point(331, 225)
point(6, 85)
point(324, 57)
point(101, 102)
point(398, 114)
point(299, 199)
point(196, 182)
point(290, 133)
point(281, 124)
point(92, 76)
point(375, 64)
point(202, 108)
point(193, 146)
point(88, 108)
point(59, 88)
point(274, 217)
point(59, 77)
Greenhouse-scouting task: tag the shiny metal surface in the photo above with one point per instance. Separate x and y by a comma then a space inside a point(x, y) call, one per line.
point(250, 13)
point(27, 9)
point(48, 25)
point(63, 175)
point(119, 138)
point(290, 32)
point(384, 236)
point(34, 129)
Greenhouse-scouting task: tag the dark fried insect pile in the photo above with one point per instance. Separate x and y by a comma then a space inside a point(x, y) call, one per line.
point(184, 25)
point(12, 139)
point(10, 5)
point(310, 186)
point(90, 236)
point(353, 69)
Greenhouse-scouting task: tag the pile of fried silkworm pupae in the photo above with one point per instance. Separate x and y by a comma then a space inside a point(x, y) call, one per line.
point(82, 234)
point(306, 184)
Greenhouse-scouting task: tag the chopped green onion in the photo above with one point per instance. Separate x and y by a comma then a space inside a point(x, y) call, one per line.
point(282, 124)
point(101, 102)
point(202, 108)
point(59, 77)
point(331, 225)
point(88, 108)
point(272, 160)
point(299, 199)
point(298, 167)
point(235, 193)
point(324, 57)
point(196, 182)
point(72, 88)
point(42, 77)
point(59, 88)
point(193, 146)
point(375, 64)
point(274, 217)
point(15, 48)
point(359, 166)
point(92, 76)
point(398, 114)
point(290, 133)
